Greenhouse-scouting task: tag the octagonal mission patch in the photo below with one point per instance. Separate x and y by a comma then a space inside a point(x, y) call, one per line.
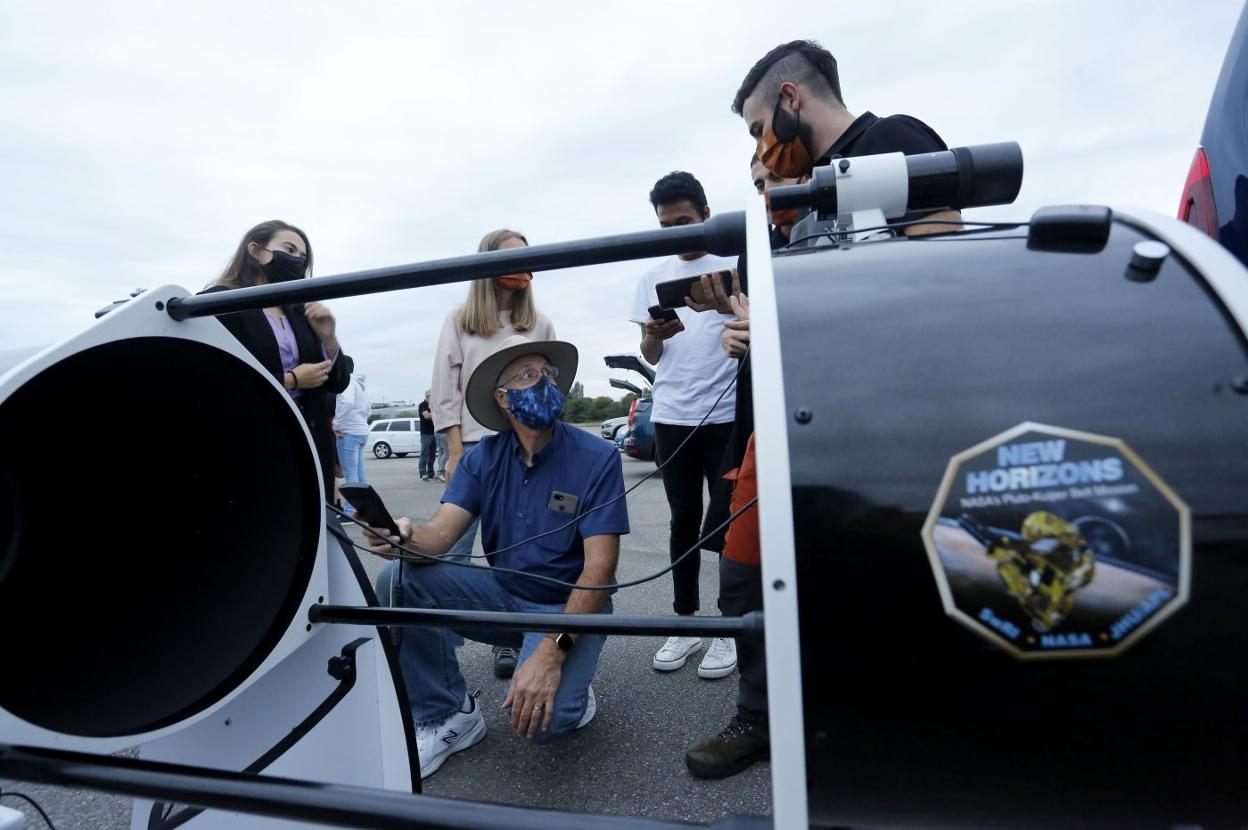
point(1055, 543)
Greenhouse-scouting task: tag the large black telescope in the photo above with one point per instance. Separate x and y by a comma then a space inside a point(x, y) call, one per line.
point(1002, 513)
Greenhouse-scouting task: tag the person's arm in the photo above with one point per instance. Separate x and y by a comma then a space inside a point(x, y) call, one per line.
point(434, 538)
point(940, 215)
point(340, 370)
point(454, 450)
point(735, 338)
point(653, 333)
point(446, 402)
point(323, 323)
point(537, 680)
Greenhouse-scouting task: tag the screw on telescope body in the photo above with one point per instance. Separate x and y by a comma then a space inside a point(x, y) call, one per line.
point(844, 165)
point(803, 415)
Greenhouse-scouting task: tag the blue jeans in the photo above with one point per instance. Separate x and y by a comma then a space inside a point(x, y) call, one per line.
point(351, 459)
point(428, 443)
point(444, 451)
point(435, 685)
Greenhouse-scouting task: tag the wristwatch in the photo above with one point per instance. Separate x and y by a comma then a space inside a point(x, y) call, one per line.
point(564, 641)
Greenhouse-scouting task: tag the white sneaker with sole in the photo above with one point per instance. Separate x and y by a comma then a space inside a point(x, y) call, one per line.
point(437, 740)
point(720, 659)
point(591, 709)
point(675, 652)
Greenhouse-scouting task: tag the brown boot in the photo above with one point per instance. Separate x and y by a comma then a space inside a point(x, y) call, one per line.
point(740, 744)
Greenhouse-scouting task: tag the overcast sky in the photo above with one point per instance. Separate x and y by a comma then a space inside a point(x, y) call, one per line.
point(138, 141)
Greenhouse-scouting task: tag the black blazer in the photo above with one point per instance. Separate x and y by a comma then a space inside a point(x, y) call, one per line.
point(317, 405)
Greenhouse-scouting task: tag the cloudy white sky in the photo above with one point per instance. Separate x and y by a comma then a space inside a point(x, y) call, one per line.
point(138, 141)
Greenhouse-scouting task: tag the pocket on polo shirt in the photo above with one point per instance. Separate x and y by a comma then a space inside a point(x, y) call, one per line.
point(562, 528)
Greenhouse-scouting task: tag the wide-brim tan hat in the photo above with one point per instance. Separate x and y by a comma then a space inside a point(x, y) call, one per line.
point(480, 392)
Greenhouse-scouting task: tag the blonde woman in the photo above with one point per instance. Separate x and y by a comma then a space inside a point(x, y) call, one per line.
point(495, 310)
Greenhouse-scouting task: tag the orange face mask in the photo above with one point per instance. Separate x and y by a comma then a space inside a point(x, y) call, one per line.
point(787, 159)
point(781, 218)
point(515, 282)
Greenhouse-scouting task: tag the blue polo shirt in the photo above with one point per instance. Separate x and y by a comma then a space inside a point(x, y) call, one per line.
point(514, 503)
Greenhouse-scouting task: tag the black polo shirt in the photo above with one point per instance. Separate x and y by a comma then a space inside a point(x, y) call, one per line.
point(870, 135)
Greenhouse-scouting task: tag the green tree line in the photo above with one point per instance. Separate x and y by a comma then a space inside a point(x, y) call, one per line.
point(578, 409)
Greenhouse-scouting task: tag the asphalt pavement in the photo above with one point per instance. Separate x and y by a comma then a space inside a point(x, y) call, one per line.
point(628, 761)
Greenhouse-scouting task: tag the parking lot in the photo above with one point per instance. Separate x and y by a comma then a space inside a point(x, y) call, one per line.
point(628, 761)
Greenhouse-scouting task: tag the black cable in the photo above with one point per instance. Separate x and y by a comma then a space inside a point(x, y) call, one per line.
point(33, 803)
point(911, 223)
point(415, 555)
point(658, 468)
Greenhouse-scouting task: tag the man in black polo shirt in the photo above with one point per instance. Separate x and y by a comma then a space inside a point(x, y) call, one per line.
point(791, 103)
point(428, 444)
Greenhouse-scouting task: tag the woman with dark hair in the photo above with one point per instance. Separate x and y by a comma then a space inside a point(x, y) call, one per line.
point(297, 344)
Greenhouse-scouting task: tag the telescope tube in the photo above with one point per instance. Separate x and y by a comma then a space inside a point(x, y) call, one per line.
point(722, 234)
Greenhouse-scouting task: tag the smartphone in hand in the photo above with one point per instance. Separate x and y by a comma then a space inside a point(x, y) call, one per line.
point(672, 293)
point(663, 315)
point(369, 507)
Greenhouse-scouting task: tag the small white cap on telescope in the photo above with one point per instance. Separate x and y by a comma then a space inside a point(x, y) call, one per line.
point(1149, 254)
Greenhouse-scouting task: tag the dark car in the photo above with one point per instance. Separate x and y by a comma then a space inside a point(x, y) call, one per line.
point(639, 443)
point(1215, 196)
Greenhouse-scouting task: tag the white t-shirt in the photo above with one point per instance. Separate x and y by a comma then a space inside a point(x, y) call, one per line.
point(693, 369)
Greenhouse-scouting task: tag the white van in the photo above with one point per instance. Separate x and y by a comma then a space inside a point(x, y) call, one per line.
point(394, 436)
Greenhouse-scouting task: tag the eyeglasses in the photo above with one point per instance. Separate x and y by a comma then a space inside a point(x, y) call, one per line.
point(531, 376)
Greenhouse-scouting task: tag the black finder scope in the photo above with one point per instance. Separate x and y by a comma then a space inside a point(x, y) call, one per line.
point(986, 174)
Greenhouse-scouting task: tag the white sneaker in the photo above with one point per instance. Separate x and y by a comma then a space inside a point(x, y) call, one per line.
point(675, 652)
point(720, 659)
point(437, 740)
point(591, 709)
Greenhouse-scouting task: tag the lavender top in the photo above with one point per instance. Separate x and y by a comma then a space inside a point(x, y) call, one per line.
point(288, 348)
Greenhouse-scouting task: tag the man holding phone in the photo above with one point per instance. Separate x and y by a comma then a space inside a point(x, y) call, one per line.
point(691, 376)
point(551, 502)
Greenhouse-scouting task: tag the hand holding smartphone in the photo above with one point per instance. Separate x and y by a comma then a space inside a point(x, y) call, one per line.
point(663, 315)
point(369, 507)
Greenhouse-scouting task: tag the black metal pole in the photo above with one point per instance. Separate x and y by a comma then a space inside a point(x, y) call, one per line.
point(750, 625)
point(722, 234)
point(329, 804)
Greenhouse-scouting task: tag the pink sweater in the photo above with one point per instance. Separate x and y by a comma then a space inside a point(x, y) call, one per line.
point(457, 357)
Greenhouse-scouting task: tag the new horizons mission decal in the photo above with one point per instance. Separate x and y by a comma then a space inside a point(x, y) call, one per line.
point(1051, 542)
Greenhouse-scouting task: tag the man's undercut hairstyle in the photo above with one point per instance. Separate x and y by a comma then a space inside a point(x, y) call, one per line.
point(678, 186)
point(802, 62)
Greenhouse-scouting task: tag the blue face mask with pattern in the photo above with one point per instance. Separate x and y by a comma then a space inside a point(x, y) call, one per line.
point(537, 407)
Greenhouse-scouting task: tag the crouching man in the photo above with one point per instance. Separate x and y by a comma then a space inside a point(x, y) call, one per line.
point(550, 501)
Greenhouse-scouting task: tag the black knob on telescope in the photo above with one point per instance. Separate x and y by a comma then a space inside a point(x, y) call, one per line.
point(986, 174)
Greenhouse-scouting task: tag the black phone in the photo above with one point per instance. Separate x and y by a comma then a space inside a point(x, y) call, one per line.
point(369, 508)
point(562, 502)
point(672, 293)
point(664, 315)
